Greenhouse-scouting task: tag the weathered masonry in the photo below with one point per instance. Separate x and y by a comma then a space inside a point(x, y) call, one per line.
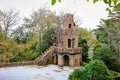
point(67, 51)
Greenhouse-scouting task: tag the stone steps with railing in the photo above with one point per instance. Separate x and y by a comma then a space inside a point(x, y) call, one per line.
point(45, 56)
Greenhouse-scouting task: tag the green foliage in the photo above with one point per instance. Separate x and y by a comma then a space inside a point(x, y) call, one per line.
point(89, 37)
point(6, 57)
point(41, 47)
point(49, 39)
point(27, 51)
point(113, 4)
point(83, 43)
point(8, 48)
point(86, 40)
point(76, 74)
point(54, 1)
point(108, 34)
point(49, 36)
point(100, 32)
point(117, 7)
point(59, 0)
point(95, 70)
point(94, 1)
point(107, 54)
point(33, 37)
point(116, 75)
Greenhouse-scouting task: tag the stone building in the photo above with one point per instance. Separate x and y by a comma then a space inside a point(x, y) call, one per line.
point(67, 51)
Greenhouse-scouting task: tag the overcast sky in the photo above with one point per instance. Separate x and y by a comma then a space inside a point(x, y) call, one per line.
point(89, 13)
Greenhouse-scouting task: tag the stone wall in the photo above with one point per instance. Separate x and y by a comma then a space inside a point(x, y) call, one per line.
point(12, 64)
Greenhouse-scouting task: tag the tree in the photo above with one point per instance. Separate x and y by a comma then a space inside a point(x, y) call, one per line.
point(27, 50)
point(108, 34)
point(49, 39)
point(19, 35)
point(83, 43)
point(107, 54)
point(95, 70)
point(113, 31)
point(109, 30)
point(89, 37)
point(86, 40)
point(6, 51)
point(8, 19)
point(40, 21)
point(111, 3)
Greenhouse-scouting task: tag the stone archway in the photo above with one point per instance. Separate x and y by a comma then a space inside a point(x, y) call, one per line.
point(66, 60)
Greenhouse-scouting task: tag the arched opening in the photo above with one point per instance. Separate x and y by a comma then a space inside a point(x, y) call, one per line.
point(66, 60)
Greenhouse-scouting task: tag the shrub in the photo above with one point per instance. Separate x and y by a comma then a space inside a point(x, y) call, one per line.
point(77, 74)
point(95, 70)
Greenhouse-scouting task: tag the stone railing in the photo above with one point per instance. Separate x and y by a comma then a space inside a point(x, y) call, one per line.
point(68, 50)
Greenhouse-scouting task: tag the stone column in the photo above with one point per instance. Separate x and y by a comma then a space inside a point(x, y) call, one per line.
point(55, 59)
point(60, 60)
point(71, 59)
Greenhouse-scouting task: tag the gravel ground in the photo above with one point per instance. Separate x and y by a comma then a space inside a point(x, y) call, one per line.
point(50, 72)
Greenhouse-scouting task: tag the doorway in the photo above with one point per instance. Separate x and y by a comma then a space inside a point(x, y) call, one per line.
point(66, 60)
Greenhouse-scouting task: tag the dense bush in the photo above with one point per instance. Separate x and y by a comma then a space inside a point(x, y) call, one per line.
point(108, 55)
point(95, 70)
point(77, 74)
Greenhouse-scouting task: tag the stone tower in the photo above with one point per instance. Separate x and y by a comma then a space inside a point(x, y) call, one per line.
point(67, 51)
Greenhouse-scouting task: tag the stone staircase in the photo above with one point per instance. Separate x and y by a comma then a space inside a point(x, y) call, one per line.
point(45, 56)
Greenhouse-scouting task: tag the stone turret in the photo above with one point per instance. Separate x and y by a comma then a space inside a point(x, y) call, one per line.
point(67, 50)
point(67, 36)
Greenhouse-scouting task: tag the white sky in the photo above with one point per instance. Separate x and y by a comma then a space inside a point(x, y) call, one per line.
point(89, 13)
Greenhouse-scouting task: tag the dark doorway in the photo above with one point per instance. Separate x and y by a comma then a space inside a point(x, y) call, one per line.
point(66, 60)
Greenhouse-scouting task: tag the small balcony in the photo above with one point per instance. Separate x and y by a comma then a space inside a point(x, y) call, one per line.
point(68, 50)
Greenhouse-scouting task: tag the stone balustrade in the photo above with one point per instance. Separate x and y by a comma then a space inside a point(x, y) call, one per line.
point(68, 50)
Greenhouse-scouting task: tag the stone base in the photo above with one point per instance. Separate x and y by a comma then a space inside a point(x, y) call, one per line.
point(72, 60)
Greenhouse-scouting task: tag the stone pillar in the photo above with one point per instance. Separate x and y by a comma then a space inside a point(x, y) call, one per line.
point(80, 59)
point(60, 60)
point(55, 59)
point(71, 58)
